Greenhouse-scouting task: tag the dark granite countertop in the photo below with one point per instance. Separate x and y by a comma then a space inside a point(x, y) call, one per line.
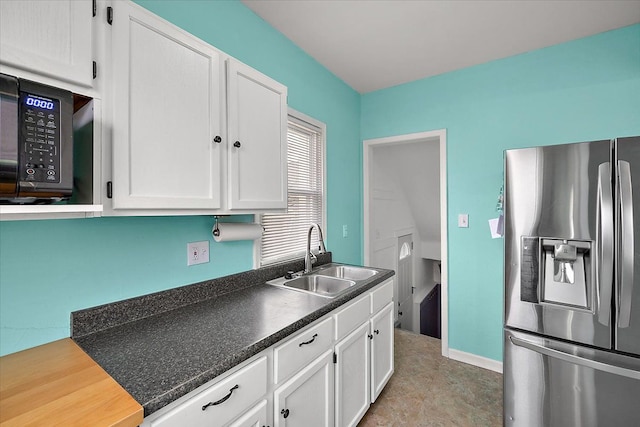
point(164, 356)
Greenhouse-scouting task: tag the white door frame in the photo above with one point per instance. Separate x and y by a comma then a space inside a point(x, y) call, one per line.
point(439, 136)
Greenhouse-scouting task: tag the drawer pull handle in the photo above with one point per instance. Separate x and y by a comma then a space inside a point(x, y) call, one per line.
point(285, 413)
point(313, 338)
point(224, 399)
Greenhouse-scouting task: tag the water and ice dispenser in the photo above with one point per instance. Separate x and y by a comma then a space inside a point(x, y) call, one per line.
point(557, 271)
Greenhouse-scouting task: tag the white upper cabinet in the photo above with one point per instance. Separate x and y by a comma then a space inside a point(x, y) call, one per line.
point(167, 133)
point(188, 137)
point(257, 129)
point(48, 37)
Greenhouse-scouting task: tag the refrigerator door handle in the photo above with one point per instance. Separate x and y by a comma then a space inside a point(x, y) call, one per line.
point(605, 237)
point(625, 282)
point(576, 360)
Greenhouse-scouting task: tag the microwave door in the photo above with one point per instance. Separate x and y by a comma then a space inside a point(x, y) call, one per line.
point(627, 298)
point(8, 136)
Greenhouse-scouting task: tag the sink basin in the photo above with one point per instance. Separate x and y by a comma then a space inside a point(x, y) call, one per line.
point(319, 285)
point(327, 281)
point(347, 272)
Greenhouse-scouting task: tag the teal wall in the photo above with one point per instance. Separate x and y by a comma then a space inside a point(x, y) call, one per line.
point(582, 90)
point(50, 268)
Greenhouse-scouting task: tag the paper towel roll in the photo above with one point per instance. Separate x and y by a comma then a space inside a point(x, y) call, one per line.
point(237, 231)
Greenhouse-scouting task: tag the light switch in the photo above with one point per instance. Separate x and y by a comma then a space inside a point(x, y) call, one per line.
point(463, 220)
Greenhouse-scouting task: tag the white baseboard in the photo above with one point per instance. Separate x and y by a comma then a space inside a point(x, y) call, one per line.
point(475, 360)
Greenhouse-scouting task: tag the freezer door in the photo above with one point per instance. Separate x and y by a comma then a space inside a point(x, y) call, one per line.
point(555, 288)
point(551, 383)
point(627, 297)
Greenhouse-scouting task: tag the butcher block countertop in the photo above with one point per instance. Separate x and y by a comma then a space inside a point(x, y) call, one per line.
point(59, 384)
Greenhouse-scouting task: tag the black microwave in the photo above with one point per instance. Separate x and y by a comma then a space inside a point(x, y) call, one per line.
point(36, 142)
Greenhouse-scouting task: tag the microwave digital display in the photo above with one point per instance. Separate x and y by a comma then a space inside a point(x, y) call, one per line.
point(38, 102)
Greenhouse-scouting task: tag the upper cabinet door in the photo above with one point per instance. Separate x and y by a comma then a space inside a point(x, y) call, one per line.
point(257, 108)
point(48, 37)
point(167, 115)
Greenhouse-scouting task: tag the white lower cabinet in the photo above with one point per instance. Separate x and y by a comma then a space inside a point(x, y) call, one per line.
point(256, 417)
point(326, 375)
point(301, 349)
point(352, 377)
point(306, 400)
point(221, 402)
point(381, 350)
point(364, 358)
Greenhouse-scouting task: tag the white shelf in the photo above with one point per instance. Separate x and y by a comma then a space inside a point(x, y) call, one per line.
point(28, 212)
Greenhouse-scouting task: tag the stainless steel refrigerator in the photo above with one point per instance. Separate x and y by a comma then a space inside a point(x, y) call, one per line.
point(572, 285)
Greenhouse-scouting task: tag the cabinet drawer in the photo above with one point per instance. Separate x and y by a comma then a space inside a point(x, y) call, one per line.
point(255, 417)
point(382, 296)
point(298, 351)
point(223, 401)
point(349, 318)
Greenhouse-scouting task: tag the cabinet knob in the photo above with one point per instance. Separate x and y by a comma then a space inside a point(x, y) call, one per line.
point(400, 313)
point(370, 337)
point(377, 331)
point(237, 144)
point(285, 413)
point(217, 139)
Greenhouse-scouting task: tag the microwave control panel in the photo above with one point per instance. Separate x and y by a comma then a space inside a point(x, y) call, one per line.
point(39, 119)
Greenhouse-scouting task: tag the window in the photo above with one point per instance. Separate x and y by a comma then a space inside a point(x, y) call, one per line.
point(285, 235)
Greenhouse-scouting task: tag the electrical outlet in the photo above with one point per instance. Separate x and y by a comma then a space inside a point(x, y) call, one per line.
point(345, 231)
point(197, 252)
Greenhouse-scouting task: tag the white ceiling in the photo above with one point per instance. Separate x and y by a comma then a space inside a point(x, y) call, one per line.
point(374, 44)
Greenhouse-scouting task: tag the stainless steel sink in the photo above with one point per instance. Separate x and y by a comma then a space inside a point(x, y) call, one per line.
point(319, 285)
point(327, 281)
point(324, 286)
point(346, 272)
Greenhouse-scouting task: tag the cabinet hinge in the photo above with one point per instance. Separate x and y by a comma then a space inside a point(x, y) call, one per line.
point(335, 358)
point(95, 69)
point(95, 8)
point(109, 189)
point(110, 15)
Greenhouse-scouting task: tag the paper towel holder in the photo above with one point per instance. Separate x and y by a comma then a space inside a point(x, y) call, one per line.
point(216, 230)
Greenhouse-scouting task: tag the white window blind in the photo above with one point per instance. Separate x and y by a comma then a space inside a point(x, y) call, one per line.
point(285, 235)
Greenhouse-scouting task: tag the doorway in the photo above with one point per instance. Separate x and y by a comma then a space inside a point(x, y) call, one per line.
point(404, 181)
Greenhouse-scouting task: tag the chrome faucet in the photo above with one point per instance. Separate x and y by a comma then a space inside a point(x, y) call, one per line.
point(310, 258)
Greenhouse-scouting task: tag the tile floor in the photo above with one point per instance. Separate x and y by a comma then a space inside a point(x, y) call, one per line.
point(430, 390)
